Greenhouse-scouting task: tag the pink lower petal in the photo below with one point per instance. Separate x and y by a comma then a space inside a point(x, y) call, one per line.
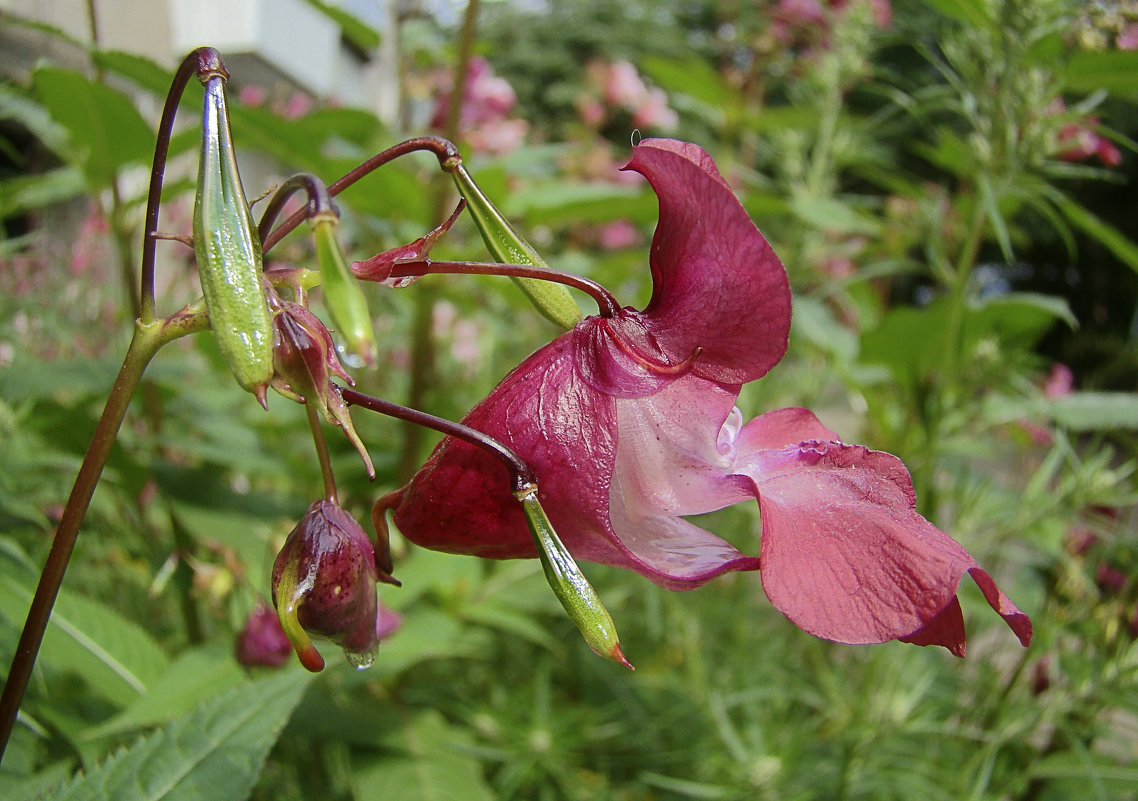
point(846, 557)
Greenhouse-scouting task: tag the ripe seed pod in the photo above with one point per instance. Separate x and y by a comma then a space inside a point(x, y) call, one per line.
point(229, 251)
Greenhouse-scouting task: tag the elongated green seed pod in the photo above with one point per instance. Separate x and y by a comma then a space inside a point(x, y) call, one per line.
point(342, 293)
point(507, 247)
point(229, 252)
point(569, 584)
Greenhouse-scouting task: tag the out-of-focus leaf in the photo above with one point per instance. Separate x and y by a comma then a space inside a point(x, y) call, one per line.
point(431, 765)
point(995, 216)
point(19, 108)
point(970, 12)
point(562, 201)
point(1113, 70)
point(212, 754)
point(107, 132)
point(352, 27)
point(1094, 411)
point(1114, 240)
point(143, 72)
point(27, 192)
point(1079, 411)
point(693, 76)
point(194, 675)
point(912, 342)
point(814, 321)
point(116, 657)
point(831, 214)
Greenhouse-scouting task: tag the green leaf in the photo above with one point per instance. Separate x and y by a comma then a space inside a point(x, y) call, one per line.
point(995, 216)
point(213, 754)
point(1113, 70)
point(561, 202)
point(912, 342)
point(431, 765)
point(352, 27)
point(970, 12)
point(831, 214)
point(692, 76)
point(26, 192)
point(107, 132)
point(1108, 235)
point(194, 675)
point(116, 657)
point(1094, 411)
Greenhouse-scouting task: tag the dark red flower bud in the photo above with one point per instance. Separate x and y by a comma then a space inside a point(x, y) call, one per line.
point(1110, 580)
point(262, 643)
point(305, 360)
point(324, 585)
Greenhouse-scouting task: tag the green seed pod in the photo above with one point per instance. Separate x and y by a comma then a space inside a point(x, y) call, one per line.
point(507, 247)
point(229, 252)
point(342, 293)
point(569, 584)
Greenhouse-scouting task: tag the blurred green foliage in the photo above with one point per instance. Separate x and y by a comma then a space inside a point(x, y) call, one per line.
point(946, 247)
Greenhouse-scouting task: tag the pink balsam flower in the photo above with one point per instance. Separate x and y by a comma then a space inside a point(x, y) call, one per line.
point(630, 424)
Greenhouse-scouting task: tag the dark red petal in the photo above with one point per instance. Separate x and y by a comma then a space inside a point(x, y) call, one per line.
point(461, 501)
point(846, 557)
point(717, 284)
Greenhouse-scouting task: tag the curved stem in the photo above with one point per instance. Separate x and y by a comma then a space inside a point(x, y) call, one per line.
point(318, 440)
point(319, 201)
point(148, 338)
point(606, 303)
point(203, 59)
point(521, 472)
point(444, 150)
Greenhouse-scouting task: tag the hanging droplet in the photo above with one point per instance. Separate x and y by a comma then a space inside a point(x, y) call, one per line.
point(400, 282)
point(362, 660)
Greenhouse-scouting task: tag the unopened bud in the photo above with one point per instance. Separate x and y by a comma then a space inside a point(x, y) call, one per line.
point(342, 294)
point(324, 585)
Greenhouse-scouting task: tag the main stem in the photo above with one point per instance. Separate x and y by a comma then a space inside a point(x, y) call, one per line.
point(146, 341)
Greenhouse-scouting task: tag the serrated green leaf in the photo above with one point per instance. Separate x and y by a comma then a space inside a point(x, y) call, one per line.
point(116, 656)
point(107, 132)
point(431, 765)
point(194, 675)
point(213, 754)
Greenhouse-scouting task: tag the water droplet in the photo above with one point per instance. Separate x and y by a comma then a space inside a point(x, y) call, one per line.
point(399, 283)
point(362, 660)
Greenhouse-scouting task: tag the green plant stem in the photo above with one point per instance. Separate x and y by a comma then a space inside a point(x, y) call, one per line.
point(147, 339)
point(321, 444)
point(944, 394)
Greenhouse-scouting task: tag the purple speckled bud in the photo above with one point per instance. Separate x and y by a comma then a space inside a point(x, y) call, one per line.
point(324, 584)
